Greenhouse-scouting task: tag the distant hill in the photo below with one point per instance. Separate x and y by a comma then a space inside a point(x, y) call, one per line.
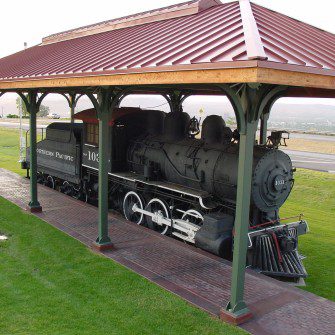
point(308, 112)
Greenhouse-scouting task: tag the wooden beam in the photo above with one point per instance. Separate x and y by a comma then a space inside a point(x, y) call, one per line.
point(303, 92)
point(209, 76)
point(295, 78)
point(206, 76)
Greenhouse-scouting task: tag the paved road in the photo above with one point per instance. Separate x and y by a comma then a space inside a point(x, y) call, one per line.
point(313, 137)
point(312, 160)
point(14, 125)
point(43, 124)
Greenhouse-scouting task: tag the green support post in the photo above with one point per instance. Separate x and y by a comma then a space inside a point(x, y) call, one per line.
point(32, 107)
point(72, 103)
point(236, 307)
point(103, 242)
point(264, 129)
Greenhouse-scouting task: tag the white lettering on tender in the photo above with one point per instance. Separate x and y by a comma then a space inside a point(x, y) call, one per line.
point(55, 154)
point(65, 157)
point(45, 152)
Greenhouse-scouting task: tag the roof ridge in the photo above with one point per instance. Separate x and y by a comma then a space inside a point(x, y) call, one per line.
point(253, 42)
point(154, 15)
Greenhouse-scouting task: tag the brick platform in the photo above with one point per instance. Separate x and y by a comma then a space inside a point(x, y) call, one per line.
point(196, 276)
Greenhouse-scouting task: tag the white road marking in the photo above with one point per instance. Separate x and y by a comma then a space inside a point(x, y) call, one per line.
point(317, 162)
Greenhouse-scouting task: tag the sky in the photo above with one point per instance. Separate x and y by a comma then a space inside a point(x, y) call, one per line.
point(29, 21)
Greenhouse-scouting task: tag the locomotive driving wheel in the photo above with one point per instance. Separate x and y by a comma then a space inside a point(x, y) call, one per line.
point(130, 202)
point(193, 216)
point(160, 210)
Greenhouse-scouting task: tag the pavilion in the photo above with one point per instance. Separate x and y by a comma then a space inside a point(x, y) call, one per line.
point(246, 52)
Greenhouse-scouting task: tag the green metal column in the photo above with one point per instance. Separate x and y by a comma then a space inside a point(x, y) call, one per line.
point(264, 128)
point(32, 107)
point(250, 102)
point(72, 100)
point(237, 305)
point(103, 241)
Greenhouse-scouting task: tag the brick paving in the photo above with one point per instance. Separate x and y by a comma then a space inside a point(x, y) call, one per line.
point(197, 276)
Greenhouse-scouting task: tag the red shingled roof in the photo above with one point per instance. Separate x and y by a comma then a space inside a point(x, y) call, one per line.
point(217, 35)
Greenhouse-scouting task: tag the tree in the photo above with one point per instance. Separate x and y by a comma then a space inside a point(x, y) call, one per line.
point(20, 104)
point(230, 121)
point(44, 110)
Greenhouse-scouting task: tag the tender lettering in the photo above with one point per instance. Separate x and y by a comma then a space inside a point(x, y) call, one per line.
point(55, 154)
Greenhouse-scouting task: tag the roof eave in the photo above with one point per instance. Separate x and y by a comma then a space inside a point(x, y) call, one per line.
point(255, 71)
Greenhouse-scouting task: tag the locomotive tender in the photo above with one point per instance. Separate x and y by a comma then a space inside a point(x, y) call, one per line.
point(163, 177)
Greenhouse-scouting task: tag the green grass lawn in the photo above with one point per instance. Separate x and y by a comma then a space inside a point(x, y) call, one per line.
point(52, 284)
point(314, 195)
point(9, 150)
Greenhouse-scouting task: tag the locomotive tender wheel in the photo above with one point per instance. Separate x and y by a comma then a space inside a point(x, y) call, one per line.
point(77, 194)
point(130, 200)
point(160, 209)
point(193, 216)
point(40, 177)
point(50, 182)
point(67, 188)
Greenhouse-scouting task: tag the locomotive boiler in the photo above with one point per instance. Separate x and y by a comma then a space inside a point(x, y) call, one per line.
point(163, 176)
point(210, 164)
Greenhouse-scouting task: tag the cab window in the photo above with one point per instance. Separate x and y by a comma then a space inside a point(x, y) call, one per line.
point(92, 133)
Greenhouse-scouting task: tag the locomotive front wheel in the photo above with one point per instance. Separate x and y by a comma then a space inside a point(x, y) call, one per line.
point(160, 210)
point(130, 200)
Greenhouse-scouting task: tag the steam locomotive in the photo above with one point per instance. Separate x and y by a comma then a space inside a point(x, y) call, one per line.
point(164, 177)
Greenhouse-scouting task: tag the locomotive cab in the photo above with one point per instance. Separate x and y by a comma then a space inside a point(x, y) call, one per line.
point(125, 125)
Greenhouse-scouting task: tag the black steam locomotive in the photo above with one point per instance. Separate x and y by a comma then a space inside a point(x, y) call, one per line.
point(162, 176)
